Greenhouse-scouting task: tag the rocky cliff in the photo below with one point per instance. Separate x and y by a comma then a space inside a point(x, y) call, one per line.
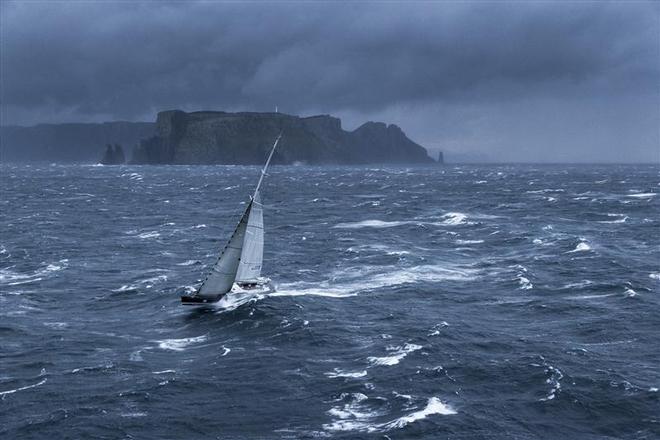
point(245, 138)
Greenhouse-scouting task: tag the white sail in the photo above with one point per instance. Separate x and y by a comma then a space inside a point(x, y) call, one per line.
point(242, 257)
point(252, 256)
point(221, 278)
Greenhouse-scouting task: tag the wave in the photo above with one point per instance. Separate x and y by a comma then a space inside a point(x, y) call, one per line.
point(352, 281)
point(354, 415)
point(372, 224)
point(655, 276)
point(398, 354)
point(416, 274)
point(433, 406)
point(150, 234)
point(13, 278)
point(578, 285)
point(359, 412)
point(180, 344)
point(454, 218)
point(642, 195)
point(554, 380)
point(4, 393)
point(582, 246)
point(524, 282)
point(329, 292)
point(234, 300)
point(340, 373)
point(189, 263)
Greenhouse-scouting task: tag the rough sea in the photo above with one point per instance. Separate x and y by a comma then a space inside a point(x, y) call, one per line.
point(457, 302)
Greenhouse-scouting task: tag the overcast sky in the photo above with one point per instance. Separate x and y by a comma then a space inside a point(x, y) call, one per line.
point(540, 81)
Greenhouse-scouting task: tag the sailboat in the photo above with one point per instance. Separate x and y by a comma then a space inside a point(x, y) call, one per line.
point(238, 267)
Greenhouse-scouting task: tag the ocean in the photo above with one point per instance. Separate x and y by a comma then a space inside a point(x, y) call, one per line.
point(457, 302)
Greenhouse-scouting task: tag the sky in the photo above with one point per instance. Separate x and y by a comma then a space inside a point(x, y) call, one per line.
point(491, 81)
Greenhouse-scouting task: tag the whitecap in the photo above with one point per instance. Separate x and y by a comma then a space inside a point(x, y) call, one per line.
point(4, 393)
point(149, 282)
point(125, 288)
point(554, 380)
point(334, 292)
point(225, 351)
point(56, 325)
point(524, 282)
point(150, 234)
point(581, 247)
point(454, 218)
point(621, 218)
point(469, 241)
point(356, 415)
point(164, 372)
point(134, 414)
point(642, 195)
point(434, 406)
point(654, 276)
point(578, 285)
point(426, 273)
point(371, 224)
point(630, 292)
point(340, 373)
point(12, 278)
point(398, 353)
point(234, 300)
point(188, 263)
point(605, 295)
point(180, 344)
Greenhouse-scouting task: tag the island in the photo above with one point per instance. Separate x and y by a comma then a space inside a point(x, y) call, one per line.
point(212, 137)
point(216, 137)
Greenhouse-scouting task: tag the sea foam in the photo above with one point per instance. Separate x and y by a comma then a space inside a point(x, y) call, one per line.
point(180, 344)
point(398, 353)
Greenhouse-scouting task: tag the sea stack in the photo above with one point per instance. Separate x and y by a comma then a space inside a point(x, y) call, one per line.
point(441, 158)
point(113, 155)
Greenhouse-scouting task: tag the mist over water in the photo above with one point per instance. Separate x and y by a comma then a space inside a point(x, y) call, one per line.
point(461, 302)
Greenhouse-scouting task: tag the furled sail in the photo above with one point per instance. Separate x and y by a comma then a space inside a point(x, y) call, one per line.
point(252, 256)
point(221, 278)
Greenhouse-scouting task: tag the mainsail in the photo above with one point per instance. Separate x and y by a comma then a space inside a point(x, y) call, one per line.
point(242, 257)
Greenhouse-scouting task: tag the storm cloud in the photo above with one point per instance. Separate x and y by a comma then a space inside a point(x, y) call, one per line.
point(493, 81)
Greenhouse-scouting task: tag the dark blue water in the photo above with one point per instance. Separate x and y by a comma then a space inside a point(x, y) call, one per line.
point(498, 302)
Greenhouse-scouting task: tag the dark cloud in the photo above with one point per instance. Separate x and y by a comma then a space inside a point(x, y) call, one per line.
point(494, 78)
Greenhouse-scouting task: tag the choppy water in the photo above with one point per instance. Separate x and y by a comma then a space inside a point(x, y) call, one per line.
point(490, 302)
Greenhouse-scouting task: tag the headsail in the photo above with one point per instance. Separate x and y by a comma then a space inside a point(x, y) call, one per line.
point(221, 278)
point(252, 256)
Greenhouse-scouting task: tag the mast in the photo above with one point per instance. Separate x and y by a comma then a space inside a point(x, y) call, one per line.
point(263, 171)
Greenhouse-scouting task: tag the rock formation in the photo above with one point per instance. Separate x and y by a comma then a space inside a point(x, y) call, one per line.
point(244, 138)
point(113, 155)
point(68, 143)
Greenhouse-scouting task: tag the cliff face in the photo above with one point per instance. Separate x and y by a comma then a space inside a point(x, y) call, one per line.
point(68, 142)
point(245, 138)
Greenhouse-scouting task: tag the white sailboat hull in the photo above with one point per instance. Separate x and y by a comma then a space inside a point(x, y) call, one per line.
point(261, 286)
